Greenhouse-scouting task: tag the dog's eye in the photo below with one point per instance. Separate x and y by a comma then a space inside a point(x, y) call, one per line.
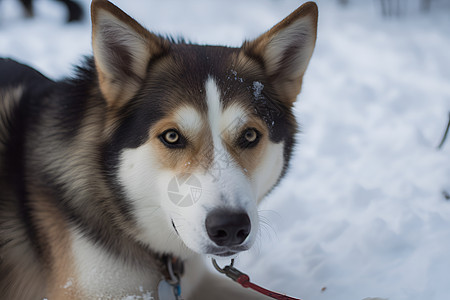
point(251, 135)
point(249, 138)
point(171, 138)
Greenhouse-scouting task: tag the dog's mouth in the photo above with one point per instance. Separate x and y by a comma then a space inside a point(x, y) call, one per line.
point(225, 252)
point(174, 227)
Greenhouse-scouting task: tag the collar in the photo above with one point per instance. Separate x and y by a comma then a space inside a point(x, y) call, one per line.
point(171, 269)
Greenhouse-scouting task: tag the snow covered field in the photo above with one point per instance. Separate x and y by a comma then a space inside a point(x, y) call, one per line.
point(361, 212)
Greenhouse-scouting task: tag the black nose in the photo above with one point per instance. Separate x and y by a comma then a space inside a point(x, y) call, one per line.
point(226, 228)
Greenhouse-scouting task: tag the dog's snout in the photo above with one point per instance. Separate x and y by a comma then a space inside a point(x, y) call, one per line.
point(226, 228)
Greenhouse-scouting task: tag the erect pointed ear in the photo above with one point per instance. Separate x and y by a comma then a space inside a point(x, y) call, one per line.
point(285, 50)
point(122, 50)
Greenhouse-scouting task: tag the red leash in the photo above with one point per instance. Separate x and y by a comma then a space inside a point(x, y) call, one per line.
point(244, 280)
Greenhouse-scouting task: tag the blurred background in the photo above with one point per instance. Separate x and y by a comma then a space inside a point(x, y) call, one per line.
point(364, 210)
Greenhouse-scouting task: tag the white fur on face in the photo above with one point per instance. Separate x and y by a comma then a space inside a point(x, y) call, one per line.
point(188, 119)
point(146, 186)
point(167, 226)
point(269, 170)
point(214, 109)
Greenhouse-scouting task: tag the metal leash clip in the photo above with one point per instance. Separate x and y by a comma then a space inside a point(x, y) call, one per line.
point(229, 270)
point(244, 280)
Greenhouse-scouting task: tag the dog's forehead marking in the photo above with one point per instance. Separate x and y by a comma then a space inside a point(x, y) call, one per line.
point(223, 119)
point(214, 108)
point(220, 157)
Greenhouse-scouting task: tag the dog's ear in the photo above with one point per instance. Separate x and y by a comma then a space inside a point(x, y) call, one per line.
point(122, 50)
point(285, 50)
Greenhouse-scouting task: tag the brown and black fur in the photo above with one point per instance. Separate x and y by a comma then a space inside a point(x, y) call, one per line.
point(60, 141)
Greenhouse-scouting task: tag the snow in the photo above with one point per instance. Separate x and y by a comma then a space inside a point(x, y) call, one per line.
point(361, 212)
point(257, 89)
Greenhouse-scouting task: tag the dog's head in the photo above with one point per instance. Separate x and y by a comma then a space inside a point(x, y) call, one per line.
point(199, 134)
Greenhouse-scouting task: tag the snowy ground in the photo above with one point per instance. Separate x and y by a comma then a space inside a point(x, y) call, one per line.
point(361, 213)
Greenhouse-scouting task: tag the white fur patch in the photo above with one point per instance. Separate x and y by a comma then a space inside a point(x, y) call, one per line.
point(269, 170)
point(214, 109)
point(233, 119)
point(101, 276)
point(146, 185)
point(189, 120)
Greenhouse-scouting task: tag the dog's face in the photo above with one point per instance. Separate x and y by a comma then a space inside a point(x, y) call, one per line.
point(198, 135)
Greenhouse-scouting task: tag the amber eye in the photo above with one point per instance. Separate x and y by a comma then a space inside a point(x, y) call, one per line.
point(249, 138)
point(251, 135)
point(171, 138)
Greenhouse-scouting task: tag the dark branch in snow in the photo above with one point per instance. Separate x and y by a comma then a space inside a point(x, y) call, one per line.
point(445, 134)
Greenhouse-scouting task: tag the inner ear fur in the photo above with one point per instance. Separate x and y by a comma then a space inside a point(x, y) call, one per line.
point(286, 49)
point(122, 51)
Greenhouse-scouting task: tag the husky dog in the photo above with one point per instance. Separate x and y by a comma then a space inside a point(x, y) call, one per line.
point(156, 148)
